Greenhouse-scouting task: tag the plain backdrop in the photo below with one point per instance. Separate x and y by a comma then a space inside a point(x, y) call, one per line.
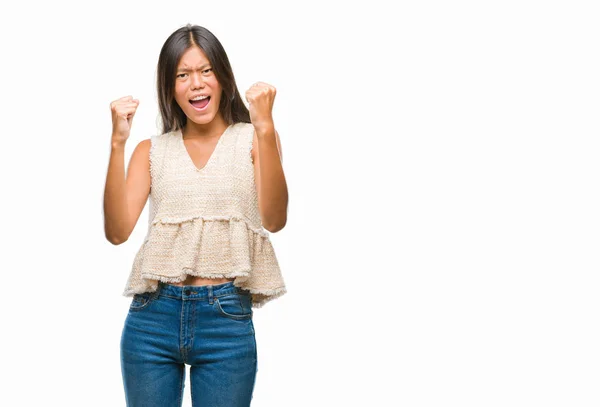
point(442, 165)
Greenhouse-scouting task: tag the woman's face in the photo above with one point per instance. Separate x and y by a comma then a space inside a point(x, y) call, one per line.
point(194, 76)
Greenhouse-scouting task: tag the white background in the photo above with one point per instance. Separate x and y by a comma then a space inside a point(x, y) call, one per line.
point(442, 164)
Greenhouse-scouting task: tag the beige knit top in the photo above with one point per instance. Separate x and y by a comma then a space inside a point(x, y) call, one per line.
point(206, 222)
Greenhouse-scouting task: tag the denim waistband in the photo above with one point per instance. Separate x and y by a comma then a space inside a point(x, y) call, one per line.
point(197, 291)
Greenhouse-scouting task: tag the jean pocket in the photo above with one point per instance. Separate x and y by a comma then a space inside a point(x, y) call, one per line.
point(234, 306)
point(140, 301)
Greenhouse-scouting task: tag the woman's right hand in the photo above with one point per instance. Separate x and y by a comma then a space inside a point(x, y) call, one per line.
point(122, 110)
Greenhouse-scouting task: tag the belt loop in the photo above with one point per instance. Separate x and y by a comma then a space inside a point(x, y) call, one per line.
point(154, 295)
point(210, 295)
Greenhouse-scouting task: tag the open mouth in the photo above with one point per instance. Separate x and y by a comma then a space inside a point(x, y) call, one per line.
point(200, 104)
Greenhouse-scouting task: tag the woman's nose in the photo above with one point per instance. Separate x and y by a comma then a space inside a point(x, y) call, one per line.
point(196, 81)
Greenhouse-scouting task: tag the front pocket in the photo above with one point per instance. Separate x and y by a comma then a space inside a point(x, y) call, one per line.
point(234, 306)
point(140, 301)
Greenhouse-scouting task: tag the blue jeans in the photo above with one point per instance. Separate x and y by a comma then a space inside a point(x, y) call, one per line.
point(207, 327)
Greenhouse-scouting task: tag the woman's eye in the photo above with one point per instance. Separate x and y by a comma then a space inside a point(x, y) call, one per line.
point(205, 71)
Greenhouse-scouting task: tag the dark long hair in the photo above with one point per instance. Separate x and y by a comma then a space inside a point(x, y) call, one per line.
point(231, 107)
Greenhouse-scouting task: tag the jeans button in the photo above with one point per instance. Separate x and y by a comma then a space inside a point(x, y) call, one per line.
point(187, 292)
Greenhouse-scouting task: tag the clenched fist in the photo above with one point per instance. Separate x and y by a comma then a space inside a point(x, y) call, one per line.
point(122, 110)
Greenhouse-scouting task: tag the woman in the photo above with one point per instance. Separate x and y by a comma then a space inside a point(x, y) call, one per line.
point(216, 186)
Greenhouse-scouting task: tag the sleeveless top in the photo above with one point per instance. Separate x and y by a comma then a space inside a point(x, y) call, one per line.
point(206, 222)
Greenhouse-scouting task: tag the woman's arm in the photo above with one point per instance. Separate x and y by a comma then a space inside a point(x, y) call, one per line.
point(270, 181)
point(125, 198)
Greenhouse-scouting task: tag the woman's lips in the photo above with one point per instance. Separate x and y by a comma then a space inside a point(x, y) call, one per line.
point(203, 108)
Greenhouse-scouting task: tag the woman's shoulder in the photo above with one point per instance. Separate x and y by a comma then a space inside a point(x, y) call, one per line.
point(143, 146)
point(164, 138)
point(242, 125)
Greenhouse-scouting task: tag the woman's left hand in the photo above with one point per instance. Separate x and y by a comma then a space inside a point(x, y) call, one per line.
point(261, 97)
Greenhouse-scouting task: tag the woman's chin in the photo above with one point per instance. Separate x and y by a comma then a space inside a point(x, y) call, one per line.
point(201, 119)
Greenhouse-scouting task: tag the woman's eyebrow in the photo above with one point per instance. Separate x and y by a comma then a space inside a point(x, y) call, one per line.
point(186, 69)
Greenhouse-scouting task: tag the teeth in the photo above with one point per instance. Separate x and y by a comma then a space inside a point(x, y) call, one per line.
point(199, 97)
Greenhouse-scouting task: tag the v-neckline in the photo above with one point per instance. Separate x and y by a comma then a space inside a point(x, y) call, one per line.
point(210, 159)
